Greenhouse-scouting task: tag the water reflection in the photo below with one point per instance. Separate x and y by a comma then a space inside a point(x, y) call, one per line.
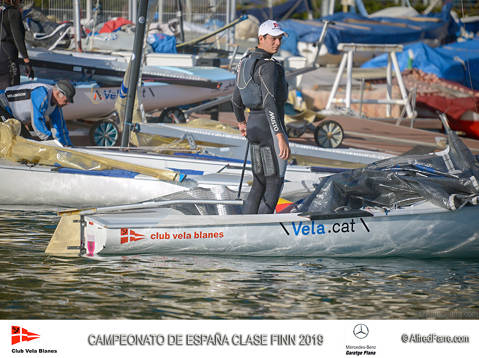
point(205, 287)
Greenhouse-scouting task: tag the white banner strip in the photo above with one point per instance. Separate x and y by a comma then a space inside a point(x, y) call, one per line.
point(242, 338)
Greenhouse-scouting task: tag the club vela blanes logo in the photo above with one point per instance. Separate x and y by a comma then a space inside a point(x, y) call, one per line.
point(20, 334)
point(128, 235)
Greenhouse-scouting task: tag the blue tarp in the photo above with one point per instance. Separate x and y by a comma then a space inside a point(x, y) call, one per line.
point(290, 43)
point(162, 43)
point(279, 11)
point(355, 28)
point(457, 62)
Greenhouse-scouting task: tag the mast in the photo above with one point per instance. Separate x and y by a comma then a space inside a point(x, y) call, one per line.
point(76, 20)
point(135, 63)
point(179, 14)
point(132, 10)
point(88, 10)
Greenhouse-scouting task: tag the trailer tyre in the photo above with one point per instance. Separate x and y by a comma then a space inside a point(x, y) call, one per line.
point(105, 133)
point(329, 134)
point(169, 115)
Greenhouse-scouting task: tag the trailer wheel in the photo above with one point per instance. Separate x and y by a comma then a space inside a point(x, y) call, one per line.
point(105, 133)
point(329, 134)
point(169, 115)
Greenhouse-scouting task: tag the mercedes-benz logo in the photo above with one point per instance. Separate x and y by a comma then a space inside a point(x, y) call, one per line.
point(361, 331)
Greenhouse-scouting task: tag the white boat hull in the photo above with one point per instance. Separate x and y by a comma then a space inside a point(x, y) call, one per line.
point(99, 102)
point(45, 186)
point(234, 145)
point(163, 86)
point(423, 231)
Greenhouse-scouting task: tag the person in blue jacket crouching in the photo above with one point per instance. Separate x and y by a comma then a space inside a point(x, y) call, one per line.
point(38, 106)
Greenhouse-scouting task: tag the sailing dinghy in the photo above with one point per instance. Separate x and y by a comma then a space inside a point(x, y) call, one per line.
point(421, 231)
point(412, 205)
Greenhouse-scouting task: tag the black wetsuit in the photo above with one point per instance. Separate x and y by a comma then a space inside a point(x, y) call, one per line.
point(264, 122)
point(12, 41)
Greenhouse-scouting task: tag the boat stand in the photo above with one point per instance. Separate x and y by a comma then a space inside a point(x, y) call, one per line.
point(349, 50)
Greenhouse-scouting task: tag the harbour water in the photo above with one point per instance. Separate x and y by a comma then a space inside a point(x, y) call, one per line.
point(35, 286)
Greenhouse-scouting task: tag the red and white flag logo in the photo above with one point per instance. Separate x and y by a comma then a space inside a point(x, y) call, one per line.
point(128, 235)
point(20, 334)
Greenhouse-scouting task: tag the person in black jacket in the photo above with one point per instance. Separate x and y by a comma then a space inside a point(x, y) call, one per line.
point(12, 41)
point(261, 86)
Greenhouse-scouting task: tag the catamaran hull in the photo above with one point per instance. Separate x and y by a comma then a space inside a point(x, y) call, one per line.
point(46, 186)
point(404, 232)
point(99, 102)
point(234, 145)
point(54, 187)
point(162, 86)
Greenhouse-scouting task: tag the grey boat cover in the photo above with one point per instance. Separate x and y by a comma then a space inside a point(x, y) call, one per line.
point(449, 179)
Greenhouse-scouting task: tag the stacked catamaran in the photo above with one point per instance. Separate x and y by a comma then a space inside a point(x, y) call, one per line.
point(100, 78)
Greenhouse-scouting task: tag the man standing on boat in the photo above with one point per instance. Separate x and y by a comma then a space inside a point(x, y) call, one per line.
point(261, 86)
point(33, 103)
point(12, 41)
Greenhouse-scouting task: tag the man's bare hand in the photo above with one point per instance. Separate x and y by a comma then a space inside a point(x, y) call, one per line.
point(284, 151)
point(242, 128)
